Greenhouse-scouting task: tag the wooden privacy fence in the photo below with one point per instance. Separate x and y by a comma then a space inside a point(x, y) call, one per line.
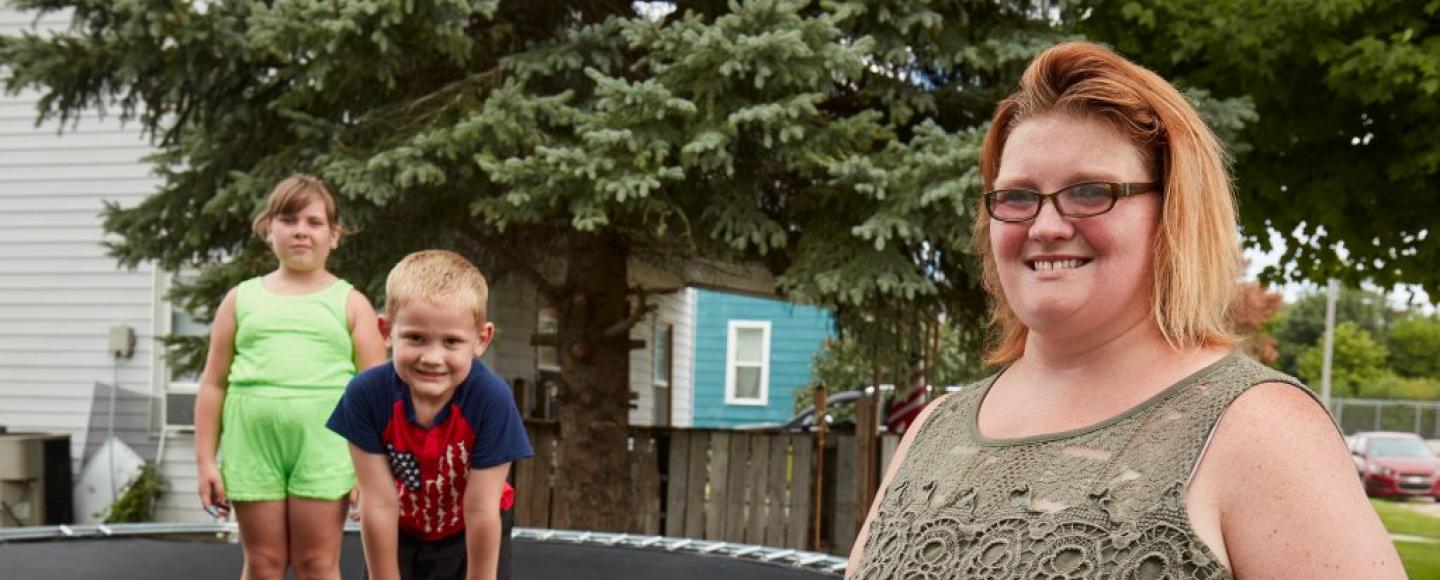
point(733, 486)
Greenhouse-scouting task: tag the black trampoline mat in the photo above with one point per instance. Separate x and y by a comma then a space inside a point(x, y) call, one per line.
point(143, 558)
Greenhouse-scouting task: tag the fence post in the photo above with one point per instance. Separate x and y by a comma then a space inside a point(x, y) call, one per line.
point(820, 428)
point(865, 462)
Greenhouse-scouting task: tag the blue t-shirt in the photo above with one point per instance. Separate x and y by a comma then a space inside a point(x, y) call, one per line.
point(479, 428)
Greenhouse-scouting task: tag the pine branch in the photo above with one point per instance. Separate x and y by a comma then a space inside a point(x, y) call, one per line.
point(513, 261)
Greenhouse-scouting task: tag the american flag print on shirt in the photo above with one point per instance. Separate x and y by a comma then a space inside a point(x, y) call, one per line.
point(430, 467)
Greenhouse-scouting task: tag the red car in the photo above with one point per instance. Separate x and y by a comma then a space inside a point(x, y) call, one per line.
point(1396, 465)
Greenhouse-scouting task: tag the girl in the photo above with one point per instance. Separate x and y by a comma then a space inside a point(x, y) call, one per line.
point(282, 348)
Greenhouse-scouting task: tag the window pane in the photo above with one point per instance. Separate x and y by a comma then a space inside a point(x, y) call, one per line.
point(747, 382)
point(547, 320)
point(748, 345)
point(183, 324)
point(662, 355)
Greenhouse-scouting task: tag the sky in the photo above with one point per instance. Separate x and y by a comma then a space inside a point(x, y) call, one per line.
point(1401, 296)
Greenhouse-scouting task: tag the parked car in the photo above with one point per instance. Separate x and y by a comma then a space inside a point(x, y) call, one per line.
point(1396, 465)
point(895, 415)
point(837, 405)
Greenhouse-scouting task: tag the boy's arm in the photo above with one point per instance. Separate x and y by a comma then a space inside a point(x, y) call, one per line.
point(379, 514)
point(482, 521)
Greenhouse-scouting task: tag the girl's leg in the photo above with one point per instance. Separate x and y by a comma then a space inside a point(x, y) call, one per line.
point(316, 530)
point(263, 538)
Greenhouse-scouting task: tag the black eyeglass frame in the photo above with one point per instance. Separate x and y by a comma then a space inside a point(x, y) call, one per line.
point(1117, 191)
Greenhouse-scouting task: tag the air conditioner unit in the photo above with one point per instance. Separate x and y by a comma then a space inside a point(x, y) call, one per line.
point(35, 479)
point(180, 406)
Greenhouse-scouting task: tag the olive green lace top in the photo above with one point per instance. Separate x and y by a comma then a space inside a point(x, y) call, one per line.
point(1104, 501)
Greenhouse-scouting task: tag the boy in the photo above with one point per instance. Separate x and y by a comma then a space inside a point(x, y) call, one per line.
point(432, 432)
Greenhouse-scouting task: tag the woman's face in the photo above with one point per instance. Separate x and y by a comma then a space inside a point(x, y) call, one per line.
point(1075, 278)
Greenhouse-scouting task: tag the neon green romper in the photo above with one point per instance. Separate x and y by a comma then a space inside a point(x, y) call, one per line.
point(293, 357)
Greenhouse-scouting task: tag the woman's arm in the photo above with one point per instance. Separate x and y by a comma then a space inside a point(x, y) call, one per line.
point(364, 331)
point(379, 514)
point(900, 450)
point(1285, 490)
point(482, 521)
point(209, 401)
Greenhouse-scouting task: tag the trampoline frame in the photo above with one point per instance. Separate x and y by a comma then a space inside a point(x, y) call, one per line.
point(799, 559)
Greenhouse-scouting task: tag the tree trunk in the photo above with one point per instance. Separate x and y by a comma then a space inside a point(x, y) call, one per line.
point(592, 479)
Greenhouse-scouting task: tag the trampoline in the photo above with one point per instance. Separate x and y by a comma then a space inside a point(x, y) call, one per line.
point(135, 551)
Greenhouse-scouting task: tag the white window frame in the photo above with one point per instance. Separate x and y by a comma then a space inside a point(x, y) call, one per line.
point(165, 318)
point(730, 363)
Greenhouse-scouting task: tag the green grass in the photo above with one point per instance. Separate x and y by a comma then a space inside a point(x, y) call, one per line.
point(1403, 520)
point(1422, 560)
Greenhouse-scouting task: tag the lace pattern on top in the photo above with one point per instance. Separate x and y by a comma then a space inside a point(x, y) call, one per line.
point(1106, 501)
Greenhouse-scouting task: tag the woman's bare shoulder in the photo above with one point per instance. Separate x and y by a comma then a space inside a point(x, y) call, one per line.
point(1289, 500)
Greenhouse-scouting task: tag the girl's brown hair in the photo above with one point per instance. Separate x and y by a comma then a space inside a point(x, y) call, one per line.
point(1197, 246)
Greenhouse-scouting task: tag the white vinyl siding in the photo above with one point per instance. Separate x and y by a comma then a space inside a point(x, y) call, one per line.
point(673, 311)
point(59, 291)
point(513, 302)
point(747, 362)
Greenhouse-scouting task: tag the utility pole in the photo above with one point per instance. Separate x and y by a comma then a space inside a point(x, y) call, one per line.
point(1332, 295)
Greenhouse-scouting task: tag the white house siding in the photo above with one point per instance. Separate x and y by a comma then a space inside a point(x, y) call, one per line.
point(59, 292)
point(513, 308)
point(670, 309)
point(684, 403)
point(179, 501)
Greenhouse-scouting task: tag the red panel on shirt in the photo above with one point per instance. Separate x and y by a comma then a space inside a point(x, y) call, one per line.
point(430, 467)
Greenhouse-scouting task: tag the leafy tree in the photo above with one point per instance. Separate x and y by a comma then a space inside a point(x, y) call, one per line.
point(1250, 317)
point(1415, 347)
point(1340, 89)
point(1392, 386)
point(1302, 324)
point(898, 349)
point(1356, 364)
point(832, 143)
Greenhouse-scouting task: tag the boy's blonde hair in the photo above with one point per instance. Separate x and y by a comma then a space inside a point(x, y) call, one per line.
point(1196, 254)
point(438, 277)
point(291, 195)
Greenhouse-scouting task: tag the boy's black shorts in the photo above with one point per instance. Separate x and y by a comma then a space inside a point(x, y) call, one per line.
point(444, 559)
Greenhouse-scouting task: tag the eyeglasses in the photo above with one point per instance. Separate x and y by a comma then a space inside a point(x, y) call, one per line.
point(1087, 199)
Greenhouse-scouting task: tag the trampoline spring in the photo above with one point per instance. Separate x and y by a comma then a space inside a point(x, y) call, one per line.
point(651, 541)
point(680, 544)
point(713, 547)
point(776, 556)
point(746, 551)
point(104, 529)
point(64, 529)
point(618, 539)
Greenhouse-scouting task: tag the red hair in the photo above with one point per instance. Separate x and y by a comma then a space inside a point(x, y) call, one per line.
point(1197, 245)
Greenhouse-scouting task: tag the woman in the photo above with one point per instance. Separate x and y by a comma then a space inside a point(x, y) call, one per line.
point(1124, 438)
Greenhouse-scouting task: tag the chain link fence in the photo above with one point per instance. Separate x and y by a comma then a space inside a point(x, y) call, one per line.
point(1419, 417)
